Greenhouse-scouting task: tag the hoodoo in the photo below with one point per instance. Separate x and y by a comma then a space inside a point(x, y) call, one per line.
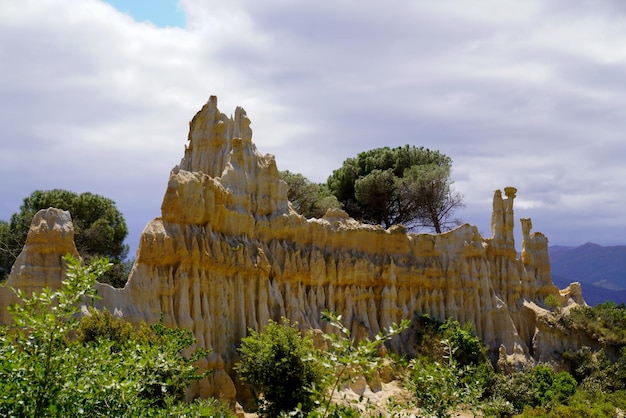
point(229, 253)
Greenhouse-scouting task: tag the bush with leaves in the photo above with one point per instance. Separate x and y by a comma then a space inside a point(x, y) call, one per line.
point(552, 388)
point(346, 358)
point(279, 365)
point(539, 387)
point(442, 386)
point(468, 350)
point(583, 404)
point(553, 303)
point(45, 371)
point(309, 199)
point(290, 377)
point(103, 324)
point(516, 389)
point(604, 322)
point(429, 332)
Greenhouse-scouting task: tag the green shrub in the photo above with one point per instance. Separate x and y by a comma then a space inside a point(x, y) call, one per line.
point(562, 386)
point(584, 405)
point(45, 372)
point(553, 303)
point(538, 387)
point(595, 371)
point(347, 358)
point(584, 362)
point(468, 350)
point(429, 333)
point(516, 388)
point(605, 322)
point(103, 324)
point(278, 363)
point(442, 386)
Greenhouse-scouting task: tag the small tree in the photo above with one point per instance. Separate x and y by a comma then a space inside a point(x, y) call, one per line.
point(347, 358)
point(467, 348)
point(8, 249)
point(451, 368)
point(536, 387)
point(309, 199)
point(100, 229)
point(278, 363)
point(404, 185)
point(553, 303)
point(442, 385)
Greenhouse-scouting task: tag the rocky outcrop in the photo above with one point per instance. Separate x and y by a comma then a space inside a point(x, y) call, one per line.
point(40, 264)
point(229, 253)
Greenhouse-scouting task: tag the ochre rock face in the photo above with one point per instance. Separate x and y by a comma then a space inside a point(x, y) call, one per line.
point(229, 253)
point(40, 264)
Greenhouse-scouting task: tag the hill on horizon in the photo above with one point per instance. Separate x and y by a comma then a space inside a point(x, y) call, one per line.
point(600, 270)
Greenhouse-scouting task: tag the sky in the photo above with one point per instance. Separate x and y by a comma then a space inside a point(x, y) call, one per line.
point(96, 96)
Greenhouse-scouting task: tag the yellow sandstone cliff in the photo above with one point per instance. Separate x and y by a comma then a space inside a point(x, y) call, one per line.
point(229, 253)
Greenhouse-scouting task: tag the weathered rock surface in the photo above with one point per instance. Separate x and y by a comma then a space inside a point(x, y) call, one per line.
point(229, 253)
point(40, 263)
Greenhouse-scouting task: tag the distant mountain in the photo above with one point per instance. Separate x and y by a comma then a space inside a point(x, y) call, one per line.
point(593, 294)
point(558, 248)
point(600, 270)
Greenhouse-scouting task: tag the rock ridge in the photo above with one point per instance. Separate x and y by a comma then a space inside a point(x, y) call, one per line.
point(229, 253)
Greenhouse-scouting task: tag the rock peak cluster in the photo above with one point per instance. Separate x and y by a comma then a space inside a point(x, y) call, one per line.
point(229, 253)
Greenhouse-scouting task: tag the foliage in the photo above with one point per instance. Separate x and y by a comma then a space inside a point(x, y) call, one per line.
point(100, 229)
point(536, 387)
point(436, 202)
point(605, 322)
point(347, 358)
point(8, 252)
point(166, 373)
point(600, 370)
point(584, 362)
point(441, 386)
point(595, 371)
point(552, 387)
point(404, 185)
point(45, 371)
point(553, 303)
point(291, 378)
point(34, 351)
point(103, 324)
point(279, 365)
point(451, 369)
point(451, 373)
point(583, 404)
point(468, 350)
point(308, 199)
point(515, 388)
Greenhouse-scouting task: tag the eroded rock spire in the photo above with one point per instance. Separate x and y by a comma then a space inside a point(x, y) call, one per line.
point(229, 253)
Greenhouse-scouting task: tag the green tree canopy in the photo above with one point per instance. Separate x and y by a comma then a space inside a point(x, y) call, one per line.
point(99, 229)
point(309, 199)
point(7, 253)
point(404, 185)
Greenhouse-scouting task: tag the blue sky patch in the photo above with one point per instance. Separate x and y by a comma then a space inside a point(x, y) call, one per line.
point(162, 13)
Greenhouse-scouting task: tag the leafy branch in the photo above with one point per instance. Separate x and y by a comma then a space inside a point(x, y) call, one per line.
point(349, 357)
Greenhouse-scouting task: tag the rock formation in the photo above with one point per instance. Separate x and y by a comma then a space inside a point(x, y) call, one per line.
point(229, 253)
point(40, 263)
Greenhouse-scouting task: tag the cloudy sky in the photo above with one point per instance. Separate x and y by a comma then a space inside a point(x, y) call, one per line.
point(96, 96)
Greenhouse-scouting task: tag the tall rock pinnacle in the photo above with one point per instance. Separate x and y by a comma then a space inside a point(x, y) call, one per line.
point(229, 253)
